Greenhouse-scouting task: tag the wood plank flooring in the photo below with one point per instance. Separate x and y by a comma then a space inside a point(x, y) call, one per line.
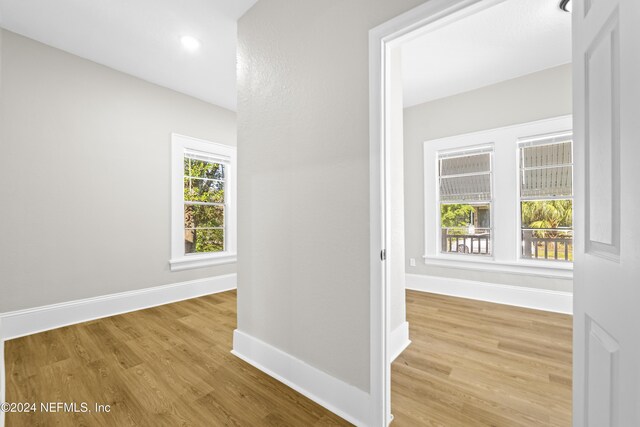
point(470, 364)
point(473, 363)
point(165, 366)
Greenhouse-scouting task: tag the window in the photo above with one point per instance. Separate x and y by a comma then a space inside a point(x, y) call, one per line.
point(203, 203)
point(546, 198)
point(501, 199)
point(465, 201)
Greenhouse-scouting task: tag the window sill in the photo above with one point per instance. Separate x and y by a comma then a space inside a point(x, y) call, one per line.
point(527, 268)
point(198, 261)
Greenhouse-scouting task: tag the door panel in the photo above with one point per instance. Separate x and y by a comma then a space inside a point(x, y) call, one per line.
point(607, 250)
point(601, 370)
point(602, 135)
point(602, 139)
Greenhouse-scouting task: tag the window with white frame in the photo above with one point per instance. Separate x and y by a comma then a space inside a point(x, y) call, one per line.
point(203, 203)
point(501, 199)
point(546, 198)
point(465, 201)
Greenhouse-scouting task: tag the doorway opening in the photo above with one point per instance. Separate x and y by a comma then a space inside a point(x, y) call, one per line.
point(473, 186)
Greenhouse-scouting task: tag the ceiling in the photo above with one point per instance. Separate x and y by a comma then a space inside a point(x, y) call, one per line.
point(511, 39)
point(142, 38)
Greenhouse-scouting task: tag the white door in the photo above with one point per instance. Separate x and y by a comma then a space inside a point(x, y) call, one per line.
point(607, 259)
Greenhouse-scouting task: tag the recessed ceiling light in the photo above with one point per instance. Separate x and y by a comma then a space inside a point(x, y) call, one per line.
point(565, 5)
point(190, 43)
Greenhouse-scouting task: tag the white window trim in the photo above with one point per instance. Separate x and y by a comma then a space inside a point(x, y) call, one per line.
point(505, 256)
point(179, 260)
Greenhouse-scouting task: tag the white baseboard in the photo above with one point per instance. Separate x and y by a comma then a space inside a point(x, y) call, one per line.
point(398, 340)
point(33, 320)
point(343, 399)
point(539, 299)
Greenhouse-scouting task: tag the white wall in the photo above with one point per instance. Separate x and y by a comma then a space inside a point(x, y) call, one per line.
point(537, 96)
point(85, 176)
point(3, 381)
point(396, 263)
point(303, 132)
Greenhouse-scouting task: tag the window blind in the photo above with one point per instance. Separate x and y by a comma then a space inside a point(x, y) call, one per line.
point(546, 168)
point(465, 176)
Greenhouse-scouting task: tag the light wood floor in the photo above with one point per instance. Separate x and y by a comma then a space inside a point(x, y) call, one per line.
point(473, 363)
point(470, 363)
point(165, 366)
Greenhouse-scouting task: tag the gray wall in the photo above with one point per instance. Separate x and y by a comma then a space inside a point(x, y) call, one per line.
point(537, 96)
point(303, 148)
point(85, 176)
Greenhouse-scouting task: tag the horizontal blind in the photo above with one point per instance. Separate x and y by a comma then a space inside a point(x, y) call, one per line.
point(546, 168)
point(465, 176)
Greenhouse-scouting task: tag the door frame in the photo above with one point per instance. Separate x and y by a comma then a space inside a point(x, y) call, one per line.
point(427, 17)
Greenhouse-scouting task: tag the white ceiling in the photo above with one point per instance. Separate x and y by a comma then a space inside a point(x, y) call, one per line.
point(511, 39)
point(142, 38)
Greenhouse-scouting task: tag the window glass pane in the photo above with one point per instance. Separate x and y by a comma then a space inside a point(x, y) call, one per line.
point(550, 245)
point(202, 241)
point(547, 182)
point(203, 190)
point(203, 216)
point(547, 214)
point(471, 188)
point(187, 165)
point(473, 163)
point(466, 228)
point(203, 169)
point(547, 229)
point(547, 155)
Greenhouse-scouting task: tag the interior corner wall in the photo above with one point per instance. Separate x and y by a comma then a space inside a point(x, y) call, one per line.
point(303, 152)
point(85, 176)
point(541, 95)
point(396, 252)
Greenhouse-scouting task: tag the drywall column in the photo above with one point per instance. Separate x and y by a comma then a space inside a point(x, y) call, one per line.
point(396, 197)
point(303, 152)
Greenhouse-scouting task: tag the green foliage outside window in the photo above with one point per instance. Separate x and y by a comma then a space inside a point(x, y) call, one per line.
point(548, 219)
point(204, 195)
point(201, 169)
point(456, 215)
point(552, 215)
point(205, 241)
point(199, 190)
